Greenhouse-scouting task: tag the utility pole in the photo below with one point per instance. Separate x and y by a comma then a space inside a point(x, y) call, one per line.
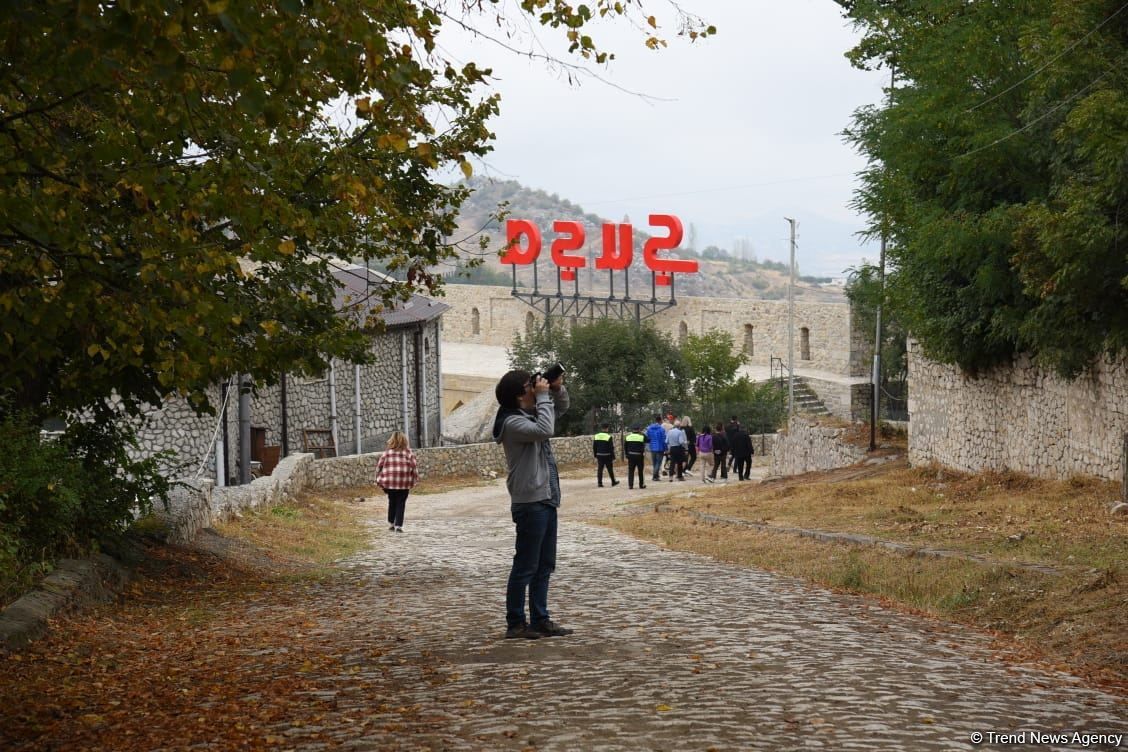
point(791, 327)
point(875, 407)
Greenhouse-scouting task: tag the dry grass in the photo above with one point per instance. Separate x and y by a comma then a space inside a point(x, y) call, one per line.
point(1078, 619)
point(316, 528)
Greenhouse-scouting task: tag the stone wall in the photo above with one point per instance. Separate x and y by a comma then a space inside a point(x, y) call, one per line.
point(808, 446)
point(759, 327)
point(174, 426)
point(199, 504)
point(1019, 417)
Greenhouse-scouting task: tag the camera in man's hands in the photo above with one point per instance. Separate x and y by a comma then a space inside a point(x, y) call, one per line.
point(551, 374)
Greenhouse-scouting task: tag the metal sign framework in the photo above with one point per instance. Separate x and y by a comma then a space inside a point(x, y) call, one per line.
point(622, 308)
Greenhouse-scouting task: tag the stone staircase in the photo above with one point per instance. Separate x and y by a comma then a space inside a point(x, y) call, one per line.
point(806, 401)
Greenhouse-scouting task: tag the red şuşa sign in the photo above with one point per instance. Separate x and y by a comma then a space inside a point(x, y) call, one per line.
point(618, 247)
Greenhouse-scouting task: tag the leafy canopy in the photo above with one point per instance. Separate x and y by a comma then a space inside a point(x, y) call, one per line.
point(1000, 174)
point(177, 178)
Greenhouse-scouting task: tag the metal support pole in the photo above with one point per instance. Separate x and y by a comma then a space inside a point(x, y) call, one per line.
point(244, 429)
point(875, 408)
point(333, 406)
point(356, 398)
point(791, 326)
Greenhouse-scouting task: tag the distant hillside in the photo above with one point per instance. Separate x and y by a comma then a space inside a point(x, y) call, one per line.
point(719, 275)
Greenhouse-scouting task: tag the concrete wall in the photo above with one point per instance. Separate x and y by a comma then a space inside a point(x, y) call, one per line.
point(834, 345)
point(1019, 417)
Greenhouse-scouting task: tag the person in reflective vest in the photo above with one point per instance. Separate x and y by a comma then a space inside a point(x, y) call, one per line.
point(604, 450)
point(634, 449)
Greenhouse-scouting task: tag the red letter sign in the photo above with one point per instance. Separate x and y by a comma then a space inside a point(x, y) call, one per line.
point(514, 229)
point(613, 258)
point(666, 267)
point(574, 240)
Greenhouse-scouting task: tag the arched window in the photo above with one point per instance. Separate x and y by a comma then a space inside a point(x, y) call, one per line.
point(683, 333)
point(804, 344)
point(530, 323)
point(426, 346)
point(748, 346)
point(475, 321)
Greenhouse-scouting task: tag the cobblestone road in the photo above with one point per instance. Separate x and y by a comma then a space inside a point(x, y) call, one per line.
point(672, 651)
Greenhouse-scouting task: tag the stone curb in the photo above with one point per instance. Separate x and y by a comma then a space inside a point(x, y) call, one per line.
point(855, 539)
point(75, 582)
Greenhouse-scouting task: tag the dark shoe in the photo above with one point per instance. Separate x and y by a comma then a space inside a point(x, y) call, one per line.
point(549, 628)
point(641, 486)
point(614, 483)
point(522, 631)
point(599, 485)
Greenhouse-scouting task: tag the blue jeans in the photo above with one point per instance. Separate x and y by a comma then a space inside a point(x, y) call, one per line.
point(657, 458)
point(533, 563)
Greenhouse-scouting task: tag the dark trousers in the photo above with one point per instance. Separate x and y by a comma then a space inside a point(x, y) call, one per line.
point(634, 462)
point(692, 457)
point(397, 503)
point(534, 561)
point(605, 462)
point(657, 458)
point(677, 462)
point(719, 462)
point(743, 467)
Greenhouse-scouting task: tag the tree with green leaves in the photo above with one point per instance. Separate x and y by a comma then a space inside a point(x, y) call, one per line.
point(712, 363)
point(999, 174)
point(179, 180)
point(609, 363)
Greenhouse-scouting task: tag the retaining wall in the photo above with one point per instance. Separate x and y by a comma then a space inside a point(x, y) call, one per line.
point(808, 446)
point(1019, 417)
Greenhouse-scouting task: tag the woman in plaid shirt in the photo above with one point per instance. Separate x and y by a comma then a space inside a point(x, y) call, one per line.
point(397, 473)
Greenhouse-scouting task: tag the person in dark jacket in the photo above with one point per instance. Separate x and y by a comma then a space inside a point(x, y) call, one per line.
point(720, 453)
point(604, 450)
point(656, 439)
point(730, 433)
point(742, 454)
point(634, 449)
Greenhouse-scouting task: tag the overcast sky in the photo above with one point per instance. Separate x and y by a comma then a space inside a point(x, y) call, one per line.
point(741, 129)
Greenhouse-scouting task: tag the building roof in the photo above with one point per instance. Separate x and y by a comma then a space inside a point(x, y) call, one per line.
point(359, 292)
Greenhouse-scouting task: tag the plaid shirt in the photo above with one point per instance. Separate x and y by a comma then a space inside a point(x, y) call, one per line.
point(397, 469)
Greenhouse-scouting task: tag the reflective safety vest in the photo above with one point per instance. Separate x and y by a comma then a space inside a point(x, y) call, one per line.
point(634, 445)
point(602, 445)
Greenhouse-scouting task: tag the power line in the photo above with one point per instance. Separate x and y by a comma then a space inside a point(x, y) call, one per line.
point(1051, 61)
point(1045, 114)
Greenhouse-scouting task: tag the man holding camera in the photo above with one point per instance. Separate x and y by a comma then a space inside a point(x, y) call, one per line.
point(528, 405)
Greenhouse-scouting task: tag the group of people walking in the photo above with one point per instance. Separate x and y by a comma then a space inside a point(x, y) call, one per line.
point(674, 447)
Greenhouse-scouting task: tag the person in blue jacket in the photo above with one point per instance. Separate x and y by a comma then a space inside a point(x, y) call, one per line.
point(656, 440)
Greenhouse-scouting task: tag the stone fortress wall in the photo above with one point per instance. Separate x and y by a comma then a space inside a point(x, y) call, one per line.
point(1020, 418)
point(490, 315)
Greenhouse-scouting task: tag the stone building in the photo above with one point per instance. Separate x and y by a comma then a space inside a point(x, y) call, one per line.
point(400, 390)
point(832, 354)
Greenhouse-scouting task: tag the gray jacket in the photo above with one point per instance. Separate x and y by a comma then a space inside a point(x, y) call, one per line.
point(528, 454)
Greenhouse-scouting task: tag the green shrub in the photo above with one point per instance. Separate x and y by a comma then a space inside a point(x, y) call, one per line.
point(67, 494)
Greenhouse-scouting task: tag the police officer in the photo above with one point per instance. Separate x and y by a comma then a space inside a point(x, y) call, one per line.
point(604, 449)
point(634, 449)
